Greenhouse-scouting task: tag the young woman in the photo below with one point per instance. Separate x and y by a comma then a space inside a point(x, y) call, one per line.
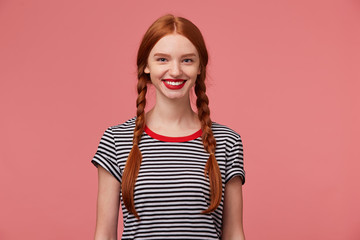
point(175, 172)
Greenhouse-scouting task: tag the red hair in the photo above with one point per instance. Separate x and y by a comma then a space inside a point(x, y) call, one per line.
point(165, 25)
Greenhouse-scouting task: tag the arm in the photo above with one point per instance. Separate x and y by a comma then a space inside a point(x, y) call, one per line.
point(107, 206)
point(232, 224)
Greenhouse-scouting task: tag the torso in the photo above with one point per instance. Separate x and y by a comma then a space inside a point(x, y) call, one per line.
point(171, 189)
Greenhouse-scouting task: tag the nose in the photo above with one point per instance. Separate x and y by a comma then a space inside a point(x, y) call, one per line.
point(175, 69)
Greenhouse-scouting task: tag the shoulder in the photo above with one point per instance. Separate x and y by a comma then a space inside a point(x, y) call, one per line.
point(120, 136)
point(122, 132)
point(127, 126)
point(223, 132)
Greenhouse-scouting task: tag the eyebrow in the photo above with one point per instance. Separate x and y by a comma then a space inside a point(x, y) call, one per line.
point(167, 55)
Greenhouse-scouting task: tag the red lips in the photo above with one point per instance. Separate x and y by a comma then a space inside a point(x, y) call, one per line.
point(167, 83)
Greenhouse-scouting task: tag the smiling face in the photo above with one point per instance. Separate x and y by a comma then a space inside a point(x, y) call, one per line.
point(173, 65)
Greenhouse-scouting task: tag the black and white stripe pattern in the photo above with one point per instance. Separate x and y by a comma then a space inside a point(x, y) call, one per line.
point(171, 189)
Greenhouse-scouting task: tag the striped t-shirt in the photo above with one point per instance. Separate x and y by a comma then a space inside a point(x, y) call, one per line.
point(171, 190)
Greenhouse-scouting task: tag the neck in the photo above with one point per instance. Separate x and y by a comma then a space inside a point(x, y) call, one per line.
point(172, 113)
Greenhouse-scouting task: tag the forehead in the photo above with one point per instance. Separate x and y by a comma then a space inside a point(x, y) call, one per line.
point(174, 44)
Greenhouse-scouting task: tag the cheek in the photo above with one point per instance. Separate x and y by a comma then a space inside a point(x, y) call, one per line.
point(155, 75)
point(158, 71)
point(192, 70)
point(193, 73)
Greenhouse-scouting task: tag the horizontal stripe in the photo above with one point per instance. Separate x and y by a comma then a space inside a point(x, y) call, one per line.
point(171, 189)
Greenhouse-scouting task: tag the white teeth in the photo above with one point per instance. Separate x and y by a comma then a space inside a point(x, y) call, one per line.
point(174, 83)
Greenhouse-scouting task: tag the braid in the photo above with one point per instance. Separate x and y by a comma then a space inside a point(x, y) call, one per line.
point(133, 162)
point(211, 168)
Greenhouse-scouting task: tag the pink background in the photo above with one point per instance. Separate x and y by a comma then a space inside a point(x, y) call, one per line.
point(283, 74)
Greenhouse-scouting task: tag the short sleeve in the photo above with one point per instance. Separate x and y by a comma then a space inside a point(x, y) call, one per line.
point(235, 161)
point(105, 155)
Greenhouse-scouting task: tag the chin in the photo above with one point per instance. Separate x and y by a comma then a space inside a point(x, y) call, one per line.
point(175, 95)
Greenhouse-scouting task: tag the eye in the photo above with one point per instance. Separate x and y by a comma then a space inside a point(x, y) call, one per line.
point(188, 60)
point(161, 59)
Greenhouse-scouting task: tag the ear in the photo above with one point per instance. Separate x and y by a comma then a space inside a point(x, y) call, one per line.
point(199, 71)
point(147, 70)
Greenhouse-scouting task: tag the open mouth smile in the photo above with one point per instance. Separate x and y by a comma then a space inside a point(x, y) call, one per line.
point(174, 83)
